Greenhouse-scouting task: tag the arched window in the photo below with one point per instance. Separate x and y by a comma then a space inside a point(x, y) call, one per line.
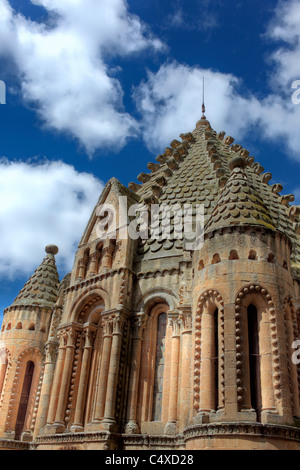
point(252, 255)
point(233, 255)
point(25, 394)
point(254, 360)
point(216, 357)
point(159, 367)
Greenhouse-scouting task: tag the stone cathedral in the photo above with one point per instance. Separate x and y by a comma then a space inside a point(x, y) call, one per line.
point(149, 345)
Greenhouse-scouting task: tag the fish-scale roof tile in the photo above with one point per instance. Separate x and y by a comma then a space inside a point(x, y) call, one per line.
point(204, 172)
point(42, 287)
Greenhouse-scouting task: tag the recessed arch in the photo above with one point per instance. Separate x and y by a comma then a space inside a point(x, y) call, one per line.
point(157, 296)
point(209, 391)
point(256, 298)
point(154, 390)
point(28, 355)
point(86, 300)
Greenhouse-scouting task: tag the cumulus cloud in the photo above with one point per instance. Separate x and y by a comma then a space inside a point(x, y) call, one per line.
point(63, 65)
point(285, 30)
point(42, 203)
point(170, 98)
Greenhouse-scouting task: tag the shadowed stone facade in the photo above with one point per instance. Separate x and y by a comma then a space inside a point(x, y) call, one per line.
point(148, 345)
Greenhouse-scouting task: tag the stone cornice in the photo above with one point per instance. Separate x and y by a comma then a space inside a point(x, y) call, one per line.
point(99, 277)
point(234, 429)
point(242, 429)
point(16, 445)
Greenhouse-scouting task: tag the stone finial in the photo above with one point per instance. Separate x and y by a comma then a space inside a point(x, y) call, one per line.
point(229, 140)
point(51, 249)
point(143, 177)
point(237, 162)
point(286, 199)
point(266, 178)
point(134, 187)
point(161, 158)
point(277, 188)
point(153, 167)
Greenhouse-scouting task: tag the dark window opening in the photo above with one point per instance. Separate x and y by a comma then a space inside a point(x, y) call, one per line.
point(254, 361)
point(21, 417)
point(216, 357)
point(159, 367)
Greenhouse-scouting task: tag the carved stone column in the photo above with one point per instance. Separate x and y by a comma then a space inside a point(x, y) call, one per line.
point(108, 252)
point(62, 336)
point(174, 322)
point(265, 347)
point(94, 262)
point(82, 264)
point(88, 335)
point(139, 324)
point(207, 385)
point(107, 324)
point(112, 381)
point(65, 381)
point(51, 350)
point(186, 347)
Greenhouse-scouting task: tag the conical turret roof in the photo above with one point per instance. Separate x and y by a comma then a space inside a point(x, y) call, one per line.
point(239, 202)
point(42, 287)
point(194, 170)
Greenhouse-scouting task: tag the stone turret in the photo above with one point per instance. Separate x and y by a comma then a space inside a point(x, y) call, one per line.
point(24, 332)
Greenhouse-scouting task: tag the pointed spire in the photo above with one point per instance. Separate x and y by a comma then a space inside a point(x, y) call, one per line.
point(203, 102)
point(203, 121)
point(42, 287)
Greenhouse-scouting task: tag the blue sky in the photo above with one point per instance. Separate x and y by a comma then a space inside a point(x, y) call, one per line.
point(98, 88)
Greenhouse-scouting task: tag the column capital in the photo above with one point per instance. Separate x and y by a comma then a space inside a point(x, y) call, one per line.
point(174, 322)
point(185, 316)
point(115, 318)
point(89, 333)
point(67, 334)
point(51, 350)
point(139, 322)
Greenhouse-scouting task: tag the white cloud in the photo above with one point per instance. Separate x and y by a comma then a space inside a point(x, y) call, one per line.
point(41, 204)
point(171, 97)
point(63, 68)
